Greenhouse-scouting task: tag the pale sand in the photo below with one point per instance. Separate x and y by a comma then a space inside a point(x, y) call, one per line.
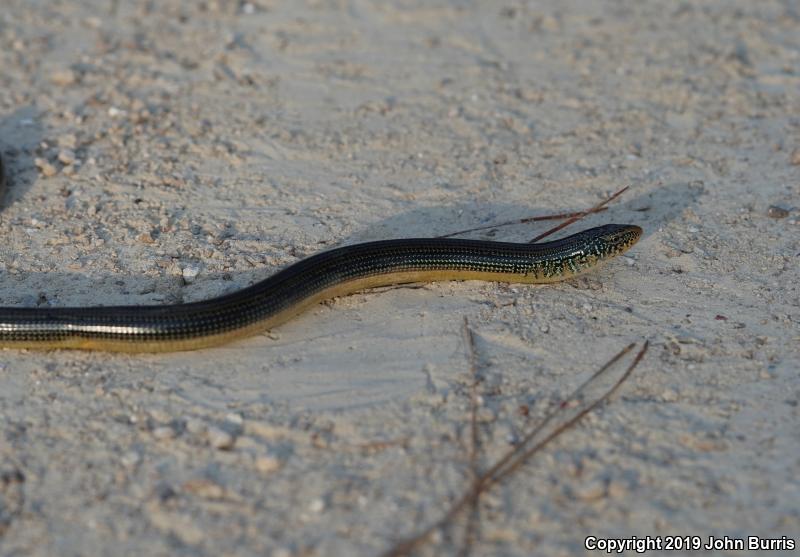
point(236, 137)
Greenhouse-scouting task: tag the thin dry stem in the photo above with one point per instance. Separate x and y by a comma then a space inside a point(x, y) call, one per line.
point(524, 220)
point(515, 458)
point(469, 337)
point(521, 458)
point(599, 207)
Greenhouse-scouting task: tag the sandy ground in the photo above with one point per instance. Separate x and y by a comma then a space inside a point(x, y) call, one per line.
point(151, 141)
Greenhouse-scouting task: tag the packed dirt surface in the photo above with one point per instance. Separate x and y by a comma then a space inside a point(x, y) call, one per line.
point(168, 151)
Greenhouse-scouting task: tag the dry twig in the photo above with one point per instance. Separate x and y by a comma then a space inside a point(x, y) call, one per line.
point(524, 220)
point(519, 455)
point(472, 522)
point(599, 207)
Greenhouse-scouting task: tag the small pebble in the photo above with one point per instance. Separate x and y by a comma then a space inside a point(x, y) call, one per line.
point(544, 327)
point(317, 505)
point(45, 167)
point(795, 160)
point(267, 464)
point(131, 459)
point(591, 491)
point(669, 395)
point(617, 489)
point(190, 273)
point(164, 432)
point(195, 426)
point(205, 488)
point(234, 418)
point(220, 439)
point(63, 77)
point(67, 156)
point(67, 141)
point(160, 416)
point(776, 212)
